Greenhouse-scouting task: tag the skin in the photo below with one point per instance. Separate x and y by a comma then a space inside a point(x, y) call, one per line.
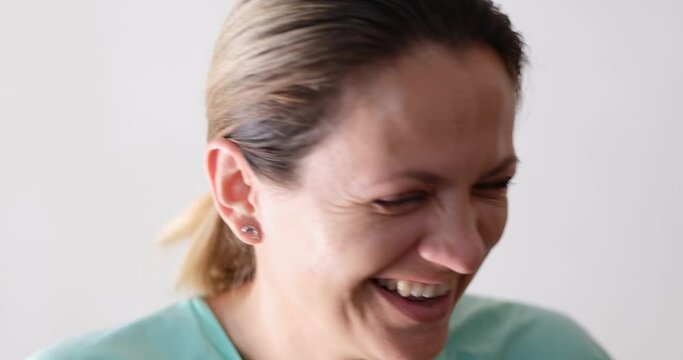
point(436, 111)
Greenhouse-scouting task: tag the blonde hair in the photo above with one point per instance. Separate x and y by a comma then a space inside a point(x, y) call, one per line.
point(277, 69)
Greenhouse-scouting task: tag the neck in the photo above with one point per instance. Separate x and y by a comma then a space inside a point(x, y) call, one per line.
point(262, 327)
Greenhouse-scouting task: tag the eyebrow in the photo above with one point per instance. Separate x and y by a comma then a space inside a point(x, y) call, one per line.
point(433, 179)
point(502, 166)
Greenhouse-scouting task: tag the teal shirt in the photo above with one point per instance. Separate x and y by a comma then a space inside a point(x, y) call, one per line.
point(480, 328)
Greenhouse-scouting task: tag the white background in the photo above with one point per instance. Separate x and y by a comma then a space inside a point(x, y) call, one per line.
point(102, 133)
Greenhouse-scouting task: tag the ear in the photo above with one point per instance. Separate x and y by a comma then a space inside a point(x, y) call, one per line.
point(233, 187)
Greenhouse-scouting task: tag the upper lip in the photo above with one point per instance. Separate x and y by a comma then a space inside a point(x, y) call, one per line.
point(421, 279)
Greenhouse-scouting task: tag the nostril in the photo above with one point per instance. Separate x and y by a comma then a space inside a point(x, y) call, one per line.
point(470, 265)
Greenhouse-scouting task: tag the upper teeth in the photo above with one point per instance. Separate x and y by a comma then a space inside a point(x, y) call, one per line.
point(407, 288)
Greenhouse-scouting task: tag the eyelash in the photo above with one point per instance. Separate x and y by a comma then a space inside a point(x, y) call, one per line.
point(501, 185)
point(392, 203)
point(421, 196)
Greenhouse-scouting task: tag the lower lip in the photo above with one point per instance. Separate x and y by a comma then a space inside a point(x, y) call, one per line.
point(429, 311)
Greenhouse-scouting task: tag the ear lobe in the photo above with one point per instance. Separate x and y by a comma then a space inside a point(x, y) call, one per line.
point(231, 185)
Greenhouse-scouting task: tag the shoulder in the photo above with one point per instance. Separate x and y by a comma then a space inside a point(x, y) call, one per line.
point(485, 328)
point(174, 332)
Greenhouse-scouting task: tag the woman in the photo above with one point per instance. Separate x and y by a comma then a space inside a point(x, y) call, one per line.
point(359, 156)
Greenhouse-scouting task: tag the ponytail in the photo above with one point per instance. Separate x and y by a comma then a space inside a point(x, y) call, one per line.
point(216, 260)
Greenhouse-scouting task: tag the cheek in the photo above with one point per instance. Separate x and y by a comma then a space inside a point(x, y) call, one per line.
point(314, 245)
point(370, 243)
point(491, 222)
point(288, 245)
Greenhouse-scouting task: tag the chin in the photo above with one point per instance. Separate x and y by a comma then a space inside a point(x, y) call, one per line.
point(426, 345)
point(408, 329)
point(424, 351)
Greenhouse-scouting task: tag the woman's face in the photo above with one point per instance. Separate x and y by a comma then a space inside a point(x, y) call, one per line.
point(408, 191)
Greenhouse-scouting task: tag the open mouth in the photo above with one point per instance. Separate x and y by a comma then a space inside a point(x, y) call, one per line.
point(420, 302)
point(414, 290)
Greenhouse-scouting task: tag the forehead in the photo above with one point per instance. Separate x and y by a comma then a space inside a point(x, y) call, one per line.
point(433, 108)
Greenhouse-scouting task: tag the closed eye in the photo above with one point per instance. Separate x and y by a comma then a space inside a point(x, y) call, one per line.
point(505, 184)
point(403, 201)
point(496, 188)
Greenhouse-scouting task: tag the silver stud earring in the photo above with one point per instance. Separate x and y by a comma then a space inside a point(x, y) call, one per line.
point(252, 231)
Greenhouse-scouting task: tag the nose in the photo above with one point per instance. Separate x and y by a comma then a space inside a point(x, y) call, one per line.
point(455, 241)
